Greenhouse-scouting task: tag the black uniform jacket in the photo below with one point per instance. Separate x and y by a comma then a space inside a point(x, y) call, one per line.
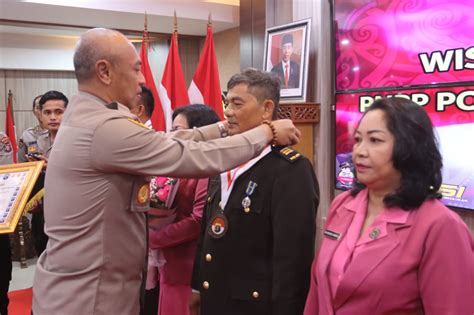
point(261, 266)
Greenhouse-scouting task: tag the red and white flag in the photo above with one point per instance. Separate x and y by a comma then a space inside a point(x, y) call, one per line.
point(172, 91)
point(10, 126)
point(157, 117)
point(205, 87)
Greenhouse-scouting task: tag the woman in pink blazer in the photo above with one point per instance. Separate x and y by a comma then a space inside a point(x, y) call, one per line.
point(178, 240)
point(390, 246)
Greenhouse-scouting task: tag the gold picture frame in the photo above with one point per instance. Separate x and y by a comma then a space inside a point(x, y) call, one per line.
point(16, 183)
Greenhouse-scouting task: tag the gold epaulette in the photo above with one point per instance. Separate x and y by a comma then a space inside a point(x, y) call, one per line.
point(289, 154)
point(33, 201)
point(136, 122)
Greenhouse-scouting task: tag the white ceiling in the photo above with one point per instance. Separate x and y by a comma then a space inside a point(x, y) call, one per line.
point(192, 15)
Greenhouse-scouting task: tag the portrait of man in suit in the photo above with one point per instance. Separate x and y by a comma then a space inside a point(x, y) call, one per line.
point(287, 70)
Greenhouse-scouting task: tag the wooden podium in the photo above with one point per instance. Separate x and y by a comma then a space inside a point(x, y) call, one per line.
point(305, 116)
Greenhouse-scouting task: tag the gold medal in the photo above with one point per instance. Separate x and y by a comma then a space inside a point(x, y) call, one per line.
point(143, 193)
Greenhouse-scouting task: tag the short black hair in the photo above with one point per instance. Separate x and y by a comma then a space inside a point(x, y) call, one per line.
point(148, 100)
point(415, 153)
point(263, 85)
point(197, 115)
point(36, 100)
point(53, 95)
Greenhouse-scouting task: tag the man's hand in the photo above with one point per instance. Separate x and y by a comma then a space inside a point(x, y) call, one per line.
point(38, 157)
point(286, 132)
point(5, 140)
point(195, 303)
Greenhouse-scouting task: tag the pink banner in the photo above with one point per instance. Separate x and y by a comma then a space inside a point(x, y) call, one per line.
point(452, 112)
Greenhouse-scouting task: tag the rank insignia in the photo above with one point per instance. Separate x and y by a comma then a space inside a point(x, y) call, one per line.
point(143, 193)
point(289, 154)
point(218, 226)
point(138, 123)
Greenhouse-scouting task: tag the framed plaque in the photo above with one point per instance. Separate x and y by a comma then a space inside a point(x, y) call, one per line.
point(287, 56)
point(16, 183)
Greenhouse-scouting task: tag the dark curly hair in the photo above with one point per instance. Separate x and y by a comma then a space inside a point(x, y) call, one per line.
point(415, 153)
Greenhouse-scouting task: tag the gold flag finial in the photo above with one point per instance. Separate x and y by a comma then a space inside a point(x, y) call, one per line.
point(175, 26)
point(209, 19)
point(146, 22)
point(146, 38)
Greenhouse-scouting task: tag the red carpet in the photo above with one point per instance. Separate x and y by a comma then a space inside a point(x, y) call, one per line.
point(20, 302)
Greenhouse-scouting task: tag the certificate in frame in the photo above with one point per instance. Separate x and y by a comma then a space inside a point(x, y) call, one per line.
point(16, 183)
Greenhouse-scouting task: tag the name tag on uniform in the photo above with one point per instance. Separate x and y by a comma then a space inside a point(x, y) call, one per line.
point(332, 235)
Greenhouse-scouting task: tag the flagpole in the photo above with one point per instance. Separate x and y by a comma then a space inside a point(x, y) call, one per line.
point(10, 100)
point(175, 27)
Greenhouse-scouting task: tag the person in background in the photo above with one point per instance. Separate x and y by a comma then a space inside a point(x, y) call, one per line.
point(178, 240)
point(145, 107)
point(6, 157)
point(390, 246)
point(258, 227)
point(52, 105)
point(97, 191)
point(143, 110)
point(30, 136)
point(287, 70)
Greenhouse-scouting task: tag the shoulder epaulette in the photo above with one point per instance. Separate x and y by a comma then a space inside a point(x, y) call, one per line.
point(136, 122)
point(289, 154)
point(112, 105)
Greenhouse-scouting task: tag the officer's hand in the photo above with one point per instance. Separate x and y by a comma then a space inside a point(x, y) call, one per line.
point(286, 132)
point(5, 140)
point(195, 303)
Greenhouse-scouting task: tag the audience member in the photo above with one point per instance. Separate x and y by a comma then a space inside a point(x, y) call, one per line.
point(51, 106)
point(145, 107)
point(390, 246)
point(30, 136)
point(176, 242)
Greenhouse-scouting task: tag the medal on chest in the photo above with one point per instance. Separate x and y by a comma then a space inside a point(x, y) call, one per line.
point(218, 225)
point(247, 202)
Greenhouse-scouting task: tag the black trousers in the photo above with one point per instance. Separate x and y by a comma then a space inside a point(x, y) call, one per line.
point(151, 301)
point(5, 272)
point(37, 230)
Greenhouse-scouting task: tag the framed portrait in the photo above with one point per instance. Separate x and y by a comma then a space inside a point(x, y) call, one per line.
point(16, 183)
point(287, 55)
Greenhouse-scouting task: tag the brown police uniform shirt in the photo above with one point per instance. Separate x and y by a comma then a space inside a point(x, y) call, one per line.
point(96, 199)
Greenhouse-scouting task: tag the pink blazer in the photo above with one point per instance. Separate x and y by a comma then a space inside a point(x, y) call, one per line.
point(178, 241)
point(423, 266)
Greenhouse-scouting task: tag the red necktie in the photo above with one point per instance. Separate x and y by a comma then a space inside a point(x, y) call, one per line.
point(286, 75)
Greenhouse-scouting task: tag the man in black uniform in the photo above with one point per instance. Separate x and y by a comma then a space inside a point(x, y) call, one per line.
point(258, 226)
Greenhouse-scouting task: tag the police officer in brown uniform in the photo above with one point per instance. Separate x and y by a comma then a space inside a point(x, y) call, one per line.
point(28, 142)
point(258, 228)
point(96, 189)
